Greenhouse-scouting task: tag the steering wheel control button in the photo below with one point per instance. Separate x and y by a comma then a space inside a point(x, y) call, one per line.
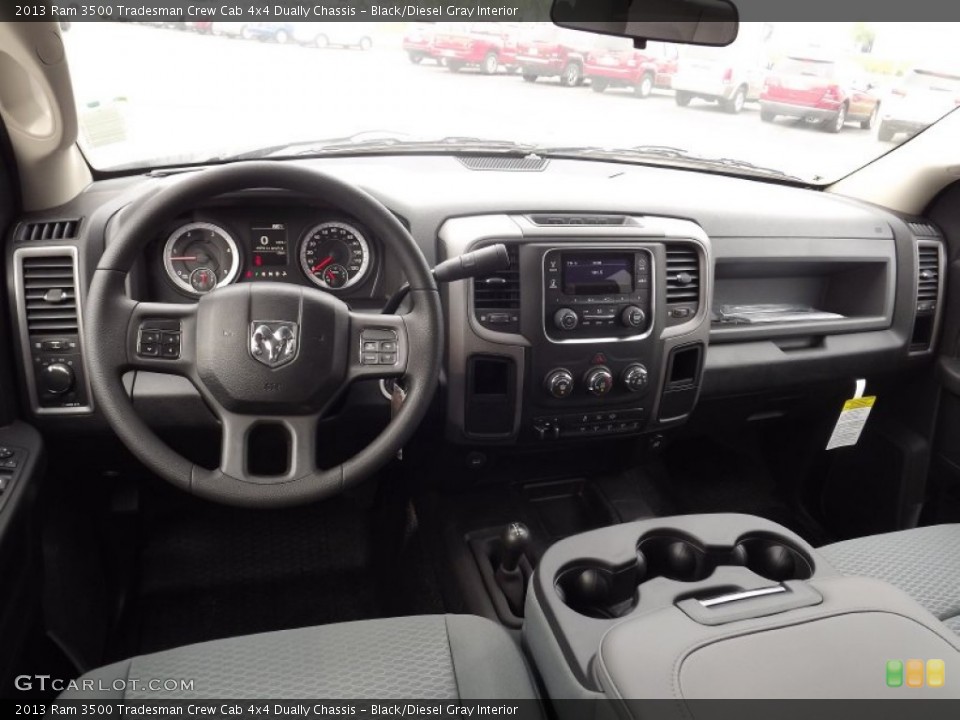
point(559, 383)
point(635, 377)
point(159, 339)
point(599, 381)
point(378, 347)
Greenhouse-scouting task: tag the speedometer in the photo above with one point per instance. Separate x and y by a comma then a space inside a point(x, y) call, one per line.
point(200, 257)
point(335, 255)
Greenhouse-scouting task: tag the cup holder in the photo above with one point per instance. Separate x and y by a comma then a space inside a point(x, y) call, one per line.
point(598, 591)
point(773, 558)
point(675, 557)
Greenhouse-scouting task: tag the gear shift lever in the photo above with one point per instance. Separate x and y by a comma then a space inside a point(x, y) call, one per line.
point(515, 539)
point(514, 542)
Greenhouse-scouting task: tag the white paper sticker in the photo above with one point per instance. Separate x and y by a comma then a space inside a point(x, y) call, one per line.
point(851, 421)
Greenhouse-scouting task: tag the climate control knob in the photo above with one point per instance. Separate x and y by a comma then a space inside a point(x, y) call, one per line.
point(635, 377)
point(559, 383)
point(633, 317)
point(599, 381)
point(566, 319)
point(57, 378)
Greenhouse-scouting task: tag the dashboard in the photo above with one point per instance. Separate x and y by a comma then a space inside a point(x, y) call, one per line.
point(621, 309)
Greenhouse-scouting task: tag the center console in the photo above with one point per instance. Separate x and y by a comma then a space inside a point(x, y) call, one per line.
point(718, 606)
point(598, 328)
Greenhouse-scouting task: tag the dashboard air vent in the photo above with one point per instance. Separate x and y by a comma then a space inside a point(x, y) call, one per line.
point(922, 229)
point(683, 275)
point(531, 163)
point(50, 294)
point(928, 277)
point(577, 220)
point(496, 298)
point(49, 230)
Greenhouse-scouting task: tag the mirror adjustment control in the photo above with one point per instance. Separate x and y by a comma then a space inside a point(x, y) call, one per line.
point(566, 319)
point(633, 317)
point(599, 380)
point(57, 378)
point(635, 377)
point(559, 383)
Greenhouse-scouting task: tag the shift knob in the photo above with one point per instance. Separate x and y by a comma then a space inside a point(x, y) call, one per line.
point(515, 539)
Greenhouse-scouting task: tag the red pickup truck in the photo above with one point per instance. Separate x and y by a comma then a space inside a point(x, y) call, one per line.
point(488, 46)
point(615, 63)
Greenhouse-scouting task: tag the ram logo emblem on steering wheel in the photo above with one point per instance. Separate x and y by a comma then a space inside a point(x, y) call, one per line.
point(274, 343)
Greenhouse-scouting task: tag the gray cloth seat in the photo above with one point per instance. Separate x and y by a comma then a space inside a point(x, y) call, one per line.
point(435, 657)
point(923, 562)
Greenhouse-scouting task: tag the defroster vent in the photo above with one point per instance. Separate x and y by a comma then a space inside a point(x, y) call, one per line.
point(49, 230)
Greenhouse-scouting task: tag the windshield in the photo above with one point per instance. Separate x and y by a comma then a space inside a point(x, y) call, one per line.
point(152, 94)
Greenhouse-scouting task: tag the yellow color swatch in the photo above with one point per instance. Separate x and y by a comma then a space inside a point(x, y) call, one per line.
point(936, 670)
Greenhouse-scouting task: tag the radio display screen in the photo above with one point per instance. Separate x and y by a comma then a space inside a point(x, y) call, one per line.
point(269, 244)
point(601, 274)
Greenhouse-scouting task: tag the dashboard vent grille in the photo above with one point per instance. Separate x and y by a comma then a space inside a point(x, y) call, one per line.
point(496, 297)
point(49, 230)
point(922, 229)
point(50, 294)
point(683, 275)
point(577, 220)
point(928, 277)
point(504, 164)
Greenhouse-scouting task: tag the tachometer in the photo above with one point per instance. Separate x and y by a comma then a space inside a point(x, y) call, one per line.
point(335, 255)
point(200, 257)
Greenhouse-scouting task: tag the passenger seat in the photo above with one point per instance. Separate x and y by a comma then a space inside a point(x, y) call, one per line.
point(923, 562)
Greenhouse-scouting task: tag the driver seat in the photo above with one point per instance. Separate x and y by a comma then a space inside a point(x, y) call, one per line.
point(431, 657)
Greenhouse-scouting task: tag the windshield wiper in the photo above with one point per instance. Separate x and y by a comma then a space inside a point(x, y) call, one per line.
point(667, 155)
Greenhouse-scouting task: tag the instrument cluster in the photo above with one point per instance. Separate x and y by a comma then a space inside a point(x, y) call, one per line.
point(211, 250)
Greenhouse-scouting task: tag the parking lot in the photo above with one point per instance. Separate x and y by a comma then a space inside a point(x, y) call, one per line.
point(183, 94)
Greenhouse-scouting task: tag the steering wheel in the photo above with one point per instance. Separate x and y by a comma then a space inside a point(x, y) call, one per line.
point(262, 353)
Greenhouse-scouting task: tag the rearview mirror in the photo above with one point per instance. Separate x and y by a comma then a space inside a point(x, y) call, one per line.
point(693, 22)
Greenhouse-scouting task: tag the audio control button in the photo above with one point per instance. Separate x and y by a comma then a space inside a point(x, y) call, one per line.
point(566, 319)
point(633, 316)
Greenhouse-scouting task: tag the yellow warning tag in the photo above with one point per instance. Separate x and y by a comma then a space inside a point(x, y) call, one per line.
point(851, 422)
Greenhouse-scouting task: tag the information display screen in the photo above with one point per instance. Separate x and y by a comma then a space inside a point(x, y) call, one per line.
point(269, 244)
point(606, 274)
